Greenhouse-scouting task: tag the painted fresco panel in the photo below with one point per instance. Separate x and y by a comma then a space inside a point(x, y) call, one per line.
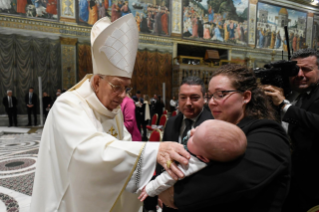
point(270, 32)
point(315, 37)
point(47, 9)
point(223, 21)
point(152, 16)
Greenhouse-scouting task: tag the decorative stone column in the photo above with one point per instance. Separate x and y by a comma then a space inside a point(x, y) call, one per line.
point(67, 8)
point(68, 62)
point(252, 23)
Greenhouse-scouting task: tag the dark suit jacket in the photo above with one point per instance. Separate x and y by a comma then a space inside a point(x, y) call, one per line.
point(304, 133)
point(34, 99)
point(173, 126)
point(6, 103)
point(257, 181)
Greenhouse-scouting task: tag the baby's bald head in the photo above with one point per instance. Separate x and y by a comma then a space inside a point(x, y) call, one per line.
point(217, 140)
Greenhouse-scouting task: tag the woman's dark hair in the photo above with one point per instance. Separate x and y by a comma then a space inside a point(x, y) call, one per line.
point(244, 79)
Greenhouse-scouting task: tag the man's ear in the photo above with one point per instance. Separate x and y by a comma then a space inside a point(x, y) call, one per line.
point(206, 160)
point(96, 83)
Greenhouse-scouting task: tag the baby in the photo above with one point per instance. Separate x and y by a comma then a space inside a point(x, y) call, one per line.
point(208, 142)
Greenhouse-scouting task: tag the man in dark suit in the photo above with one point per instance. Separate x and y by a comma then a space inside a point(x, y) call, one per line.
point(192, 113)
point(301, 114)
point(31, 100)
point(10, 104)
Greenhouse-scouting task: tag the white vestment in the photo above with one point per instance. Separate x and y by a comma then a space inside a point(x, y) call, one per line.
point(86, 158)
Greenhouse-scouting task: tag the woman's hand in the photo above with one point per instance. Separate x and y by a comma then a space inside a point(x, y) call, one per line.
point(167, 197)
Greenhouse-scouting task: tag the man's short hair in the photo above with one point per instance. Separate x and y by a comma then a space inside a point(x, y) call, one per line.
point(303, 53)
point(8, 91)
point(192, 80)
point(138, 92)
point(31, 88)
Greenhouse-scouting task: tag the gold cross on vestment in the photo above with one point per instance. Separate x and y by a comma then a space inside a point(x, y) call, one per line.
point(112, 132)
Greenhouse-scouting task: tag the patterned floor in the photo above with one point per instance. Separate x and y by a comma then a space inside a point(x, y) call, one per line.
point(18, 157)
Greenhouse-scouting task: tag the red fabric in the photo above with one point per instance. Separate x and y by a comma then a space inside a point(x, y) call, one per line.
point(155, 136)
point(174, 113)
point(154, 119)
point(128, 109)
point(165, 112)
point(51, 7)
point(163, 120)
point(21, 4)
point(106, 4)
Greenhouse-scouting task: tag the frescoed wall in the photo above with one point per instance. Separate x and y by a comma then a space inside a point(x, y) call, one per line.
point(152, 16)
point(47, 9)
point(315, 37)
point(223, 21)
point(270, 32)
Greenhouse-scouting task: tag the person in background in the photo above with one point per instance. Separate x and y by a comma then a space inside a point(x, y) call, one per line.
point(128, 109)
point(31, 100)
point(10, 104)
point(147, 116)
point(173, 104)
point(300, 116)
point(159, 107)
point(46, 99)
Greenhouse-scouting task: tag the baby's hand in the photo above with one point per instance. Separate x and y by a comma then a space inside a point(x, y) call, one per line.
point(143, 195)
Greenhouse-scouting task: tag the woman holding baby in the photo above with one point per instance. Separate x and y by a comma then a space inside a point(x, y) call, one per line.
point(256, 181)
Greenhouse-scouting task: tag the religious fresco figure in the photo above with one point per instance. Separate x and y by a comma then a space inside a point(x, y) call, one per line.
point(273, 40)
point(116, 13)
point(164, 21)
point(278, 40)
point(93, 13)
point(21, 4)
point(84, 10)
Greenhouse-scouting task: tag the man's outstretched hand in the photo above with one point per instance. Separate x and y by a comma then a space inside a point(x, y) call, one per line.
point(168, 153)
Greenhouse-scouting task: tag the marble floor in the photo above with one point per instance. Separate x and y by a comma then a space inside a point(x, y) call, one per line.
point(18, 156)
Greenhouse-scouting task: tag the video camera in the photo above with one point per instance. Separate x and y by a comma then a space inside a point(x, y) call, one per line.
point(278, 73)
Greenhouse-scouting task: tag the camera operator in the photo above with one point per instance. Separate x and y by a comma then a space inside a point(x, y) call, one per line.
point(301, 114)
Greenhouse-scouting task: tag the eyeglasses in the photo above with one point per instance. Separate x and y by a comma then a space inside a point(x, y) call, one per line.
point(117, 88)
point(221, 94)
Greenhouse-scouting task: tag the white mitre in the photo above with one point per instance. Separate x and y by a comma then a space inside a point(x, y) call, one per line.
point(114, 46)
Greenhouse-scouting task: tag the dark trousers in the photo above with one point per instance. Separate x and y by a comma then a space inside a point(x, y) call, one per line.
point(144, 137)
point(12, 115)
point(34, 111)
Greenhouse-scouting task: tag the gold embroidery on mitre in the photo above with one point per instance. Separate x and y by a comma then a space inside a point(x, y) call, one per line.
point(112, 132)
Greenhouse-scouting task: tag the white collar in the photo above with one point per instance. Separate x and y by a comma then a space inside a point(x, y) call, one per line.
point(86, 92)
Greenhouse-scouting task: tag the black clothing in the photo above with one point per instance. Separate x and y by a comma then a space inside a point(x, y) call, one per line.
point(46, 102)
point(304, 132)
point(139, 114)
point(33, 101)
point(158, 108)
point(172, 132)
point(257, 181)
point(11, 111)
point(144, 123)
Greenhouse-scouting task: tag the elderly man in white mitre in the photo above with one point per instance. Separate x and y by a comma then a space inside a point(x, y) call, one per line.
point(87, 161)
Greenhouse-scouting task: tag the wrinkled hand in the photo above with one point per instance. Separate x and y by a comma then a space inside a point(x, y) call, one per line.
point(276, 93)
point(175, 152)
point(167, 197)
point(143, 195)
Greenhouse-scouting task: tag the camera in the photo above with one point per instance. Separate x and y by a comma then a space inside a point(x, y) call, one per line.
point(277, 74)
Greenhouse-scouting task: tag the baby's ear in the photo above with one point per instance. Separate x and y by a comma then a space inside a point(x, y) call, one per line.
point(206, 160)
